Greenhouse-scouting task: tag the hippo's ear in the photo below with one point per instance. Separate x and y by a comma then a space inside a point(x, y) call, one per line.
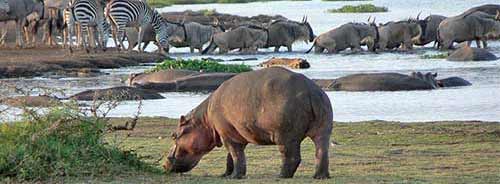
point(182, 120)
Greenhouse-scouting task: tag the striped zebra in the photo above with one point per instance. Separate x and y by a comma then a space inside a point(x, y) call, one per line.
point(89, 14)
point(133, 13)
point(70, 27)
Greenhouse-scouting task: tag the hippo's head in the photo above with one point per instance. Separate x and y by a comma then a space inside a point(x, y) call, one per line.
point(428, 77)
point(193, 139)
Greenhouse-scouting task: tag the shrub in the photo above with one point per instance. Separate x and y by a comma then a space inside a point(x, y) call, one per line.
point(435, 56)
point(206, 65)
point(362, 8)
point(61, 142)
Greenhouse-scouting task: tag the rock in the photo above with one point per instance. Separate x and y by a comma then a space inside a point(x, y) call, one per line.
point(295, 63)
point(467, 53)
point(117, 93)
point(31, 101)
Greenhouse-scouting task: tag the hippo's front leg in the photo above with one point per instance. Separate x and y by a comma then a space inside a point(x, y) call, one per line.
point(237, 152)
point(229, 166)
point(290, 153)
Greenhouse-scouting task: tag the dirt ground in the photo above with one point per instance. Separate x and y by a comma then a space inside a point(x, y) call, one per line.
point(43, 60)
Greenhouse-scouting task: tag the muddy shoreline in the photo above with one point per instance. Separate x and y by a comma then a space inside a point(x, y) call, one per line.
point(56, 61)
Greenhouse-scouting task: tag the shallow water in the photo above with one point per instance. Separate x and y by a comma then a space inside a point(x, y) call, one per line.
point(481, 101)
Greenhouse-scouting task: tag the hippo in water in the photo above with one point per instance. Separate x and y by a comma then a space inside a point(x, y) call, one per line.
point(116, 93)
point(272, 106)
point(389, 82)
point(178, 80)
point(467, 53)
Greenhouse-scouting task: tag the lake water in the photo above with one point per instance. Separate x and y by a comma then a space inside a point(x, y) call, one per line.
point(481, 101)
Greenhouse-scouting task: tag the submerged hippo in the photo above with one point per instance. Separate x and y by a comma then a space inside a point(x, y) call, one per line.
point(272, 106)
point(179, 80)
point(116, 93)
point(467, 53)
point(158, 77)
point(380, 82)
point(453, 82)
point(31, 101)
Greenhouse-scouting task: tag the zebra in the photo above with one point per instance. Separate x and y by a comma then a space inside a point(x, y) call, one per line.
point(89, 14)
point(133, 13)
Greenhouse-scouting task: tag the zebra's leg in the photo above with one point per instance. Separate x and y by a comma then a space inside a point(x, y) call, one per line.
point(19, 39)
point(114, 34)
point(119, 31)
point(191, 50)
point(139, 39)
point(146, 45)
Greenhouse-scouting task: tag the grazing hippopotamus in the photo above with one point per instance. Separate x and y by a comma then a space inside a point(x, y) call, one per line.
point(272, 106)
point(179, 80)
point(116, 93)
point(158, 77)
point(467, 53)
point(380, 82)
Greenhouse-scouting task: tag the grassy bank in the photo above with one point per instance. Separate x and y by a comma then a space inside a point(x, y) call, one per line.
point(206, 65)
point(362, 8)
point(443, 152)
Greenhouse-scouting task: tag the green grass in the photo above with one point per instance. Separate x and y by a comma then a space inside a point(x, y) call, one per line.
point(362, 8)
point(61, 144)
point(206, 65)
point(162, 3)
point(369, 152)
point(435, 56)
point(346, 0)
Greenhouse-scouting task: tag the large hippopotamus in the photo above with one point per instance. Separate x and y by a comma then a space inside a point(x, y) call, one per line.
point(467, 53)
point(116, 93)
point(178, 80)
point(272, 106)
point(389, 82)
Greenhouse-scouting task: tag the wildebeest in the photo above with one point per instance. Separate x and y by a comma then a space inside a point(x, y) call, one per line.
point(192, 34)
point(286, 32)
point(381, 82)
point(272, 106)
point(400, 33)
point(245, 38)
point(350, 35)
point(477, 26)
point(18, 10)
point(429, 27)
point(487, 8)
point(467, 53)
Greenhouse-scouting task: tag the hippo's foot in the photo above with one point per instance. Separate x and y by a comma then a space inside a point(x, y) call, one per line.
point(236, 176)
point(321, 176)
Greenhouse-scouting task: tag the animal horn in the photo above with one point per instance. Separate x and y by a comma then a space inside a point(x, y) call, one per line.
point(305, 20)
point(374, 18)
point(369, 18)
point(498, 15)
point(418, 16)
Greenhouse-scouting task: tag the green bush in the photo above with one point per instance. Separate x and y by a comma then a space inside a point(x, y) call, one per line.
point(206, 65)
point(61, 143)
point(435, 56)
point(362, 8)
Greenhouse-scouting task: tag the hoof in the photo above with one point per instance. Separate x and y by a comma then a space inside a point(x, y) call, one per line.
point(321, 176)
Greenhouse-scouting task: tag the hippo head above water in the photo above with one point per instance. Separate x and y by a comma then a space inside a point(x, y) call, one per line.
point(193, 139)
point(428, 77)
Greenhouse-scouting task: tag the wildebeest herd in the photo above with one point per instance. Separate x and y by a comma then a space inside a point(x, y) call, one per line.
point(268, 106)
point(91, 22)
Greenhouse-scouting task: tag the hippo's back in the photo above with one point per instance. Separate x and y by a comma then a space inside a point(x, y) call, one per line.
point(268, 105)
point(379, 82)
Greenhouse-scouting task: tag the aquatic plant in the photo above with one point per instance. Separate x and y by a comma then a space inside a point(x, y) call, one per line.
point(206, 65)
point(362, 8)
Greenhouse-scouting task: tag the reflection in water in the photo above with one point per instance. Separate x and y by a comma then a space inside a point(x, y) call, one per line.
point(476, 102)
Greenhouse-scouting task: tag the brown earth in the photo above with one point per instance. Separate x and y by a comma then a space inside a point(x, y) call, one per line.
point(42, 61)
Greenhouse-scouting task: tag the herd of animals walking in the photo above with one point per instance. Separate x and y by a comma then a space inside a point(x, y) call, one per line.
point(234, 116)
point(93, 21)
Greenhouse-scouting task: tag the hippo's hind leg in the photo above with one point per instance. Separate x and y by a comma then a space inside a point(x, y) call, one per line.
point(229, 166)
point(290, 153)
point(322, 143)
point(237, 153)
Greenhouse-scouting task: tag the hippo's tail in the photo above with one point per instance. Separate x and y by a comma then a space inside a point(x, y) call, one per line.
point(211, 47)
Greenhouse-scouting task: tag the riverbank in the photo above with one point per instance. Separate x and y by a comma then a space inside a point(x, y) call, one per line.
point(367, 152)
point(56, 61)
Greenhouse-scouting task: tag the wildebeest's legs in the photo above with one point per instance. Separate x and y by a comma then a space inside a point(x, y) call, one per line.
point(19, 38)
point(322, 143)
point(478, 43)
point(237, 152)
point(290, 154)
point(229, 166)
point(289, 47)
point(277, 49)
point(485, 43)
